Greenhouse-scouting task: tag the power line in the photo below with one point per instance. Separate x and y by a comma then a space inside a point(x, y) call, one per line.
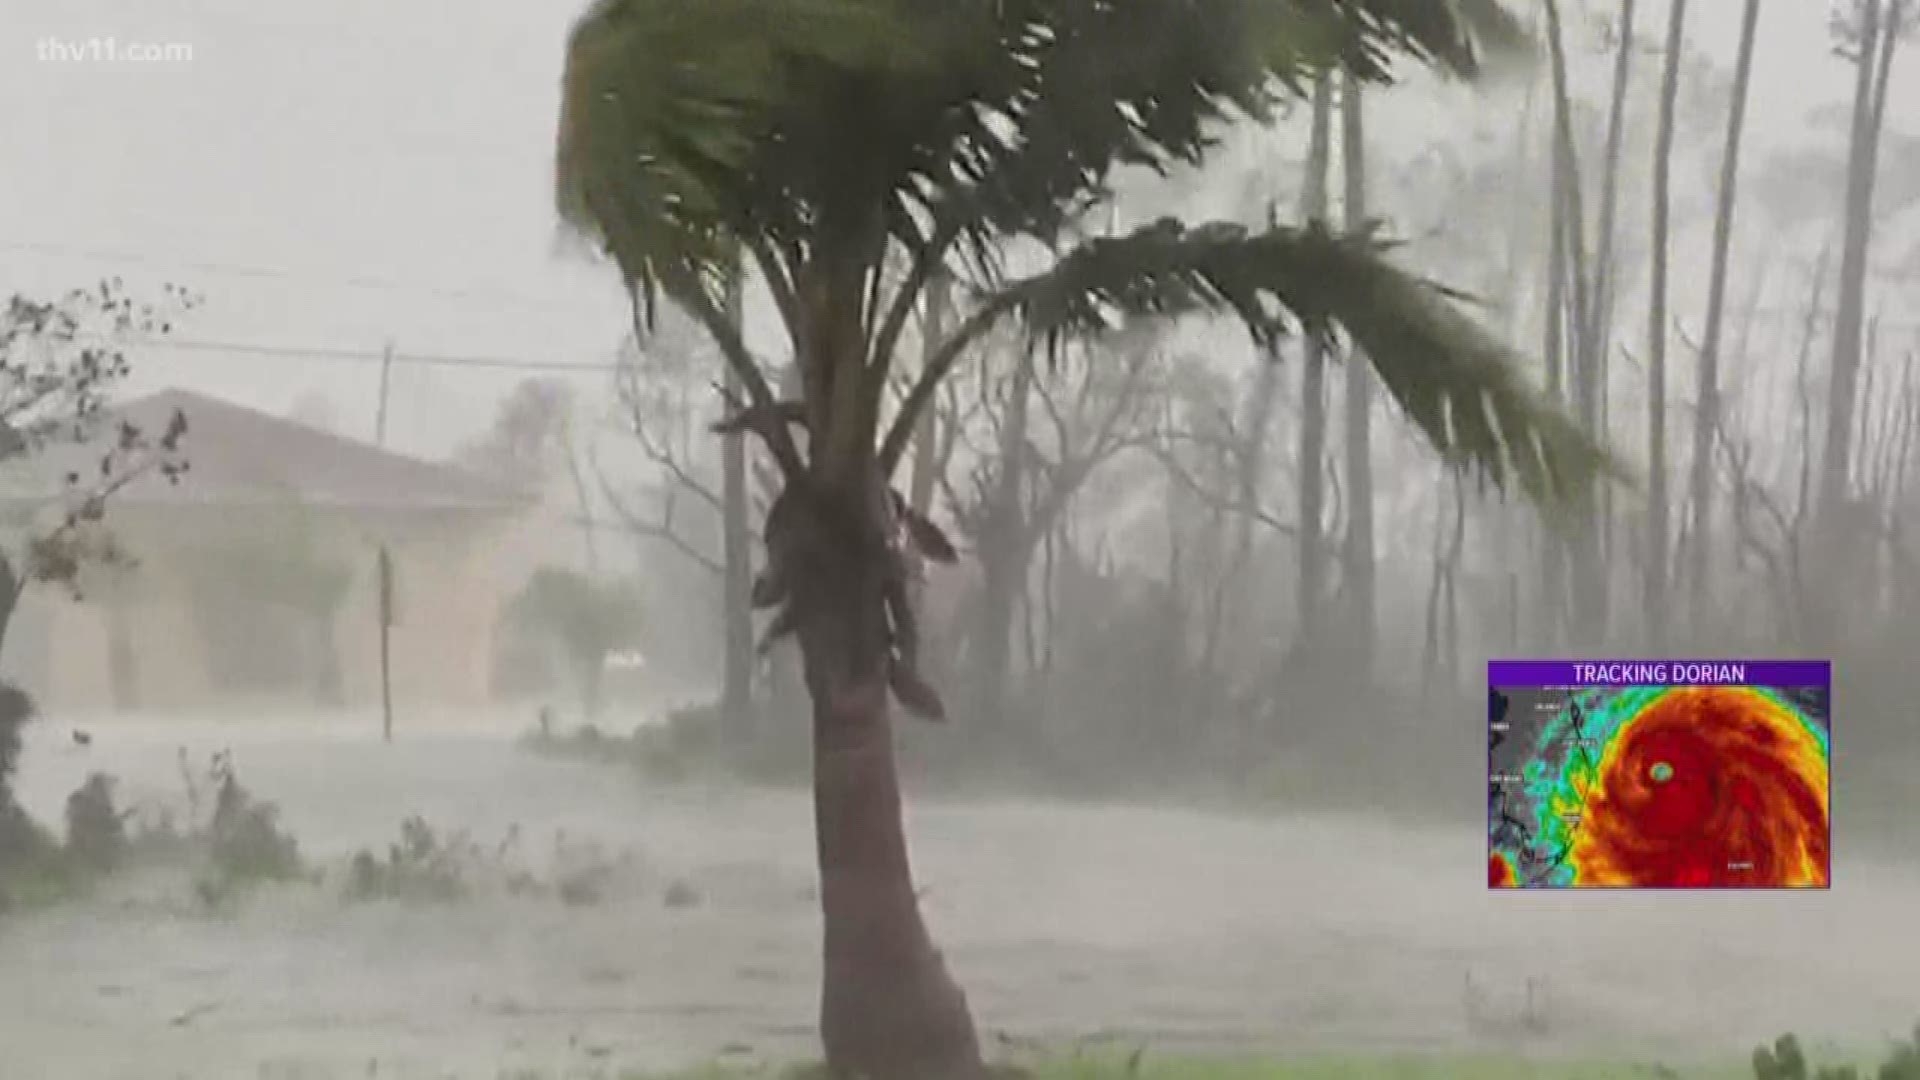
point(355, 281)
point(335, 354)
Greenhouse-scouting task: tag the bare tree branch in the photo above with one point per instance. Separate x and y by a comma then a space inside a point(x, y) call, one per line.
point(1177, 470)
point(664, 529)
point(734, 349)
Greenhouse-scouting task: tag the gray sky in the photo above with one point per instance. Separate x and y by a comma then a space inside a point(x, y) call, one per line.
point(388, 162)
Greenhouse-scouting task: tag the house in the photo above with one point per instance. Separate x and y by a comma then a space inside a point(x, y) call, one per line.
point(253, 580)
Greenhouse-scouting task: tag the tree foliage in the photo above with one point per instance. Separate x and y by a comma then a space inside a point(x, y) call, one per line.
point(587, 619)
point(528, 434)
point(16, 708)
point(60, 362)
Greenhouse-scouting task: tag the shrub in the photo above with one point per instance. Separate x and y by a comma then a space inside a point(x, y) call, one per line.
point(20, 839)
point(32, 869)
point(96, 828)
point(243, 841)
point(1785, 1061)
point(428, 867)
point(586, 742)
point(584, 872)
point(16, 709)
point(587, 619)
point(421, 867)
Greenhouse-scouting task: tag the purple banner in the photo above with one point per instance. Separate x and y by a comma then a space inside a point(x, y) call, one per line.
point(1659, 673)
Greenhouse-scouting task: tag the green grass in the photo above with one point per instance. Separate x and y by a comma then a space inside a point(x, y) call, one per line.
point(1149, 1066)
point(1783, 1060)
point(1348, 1068)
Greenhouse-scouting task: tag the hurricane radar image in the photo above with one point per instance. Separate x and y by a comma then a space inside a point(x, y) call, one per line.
point(1658, 774)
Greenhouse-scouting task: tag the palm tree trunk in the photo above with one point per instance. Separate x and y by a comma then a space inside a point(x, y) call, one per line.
point(1553, 554)
point(1598, 336)
point(888, 1006)
point(1436, 589)
point(590, 672)
point(1456, 548)
point(932, 450)
point(1707, 420)
point(1658, 510)
point(1509, 551)
point(122, 665)
point(1359, 548)
point(992, 643)
point(1875, 60)
point(589, 529)
point(926, 435)
point(1005, 553)
point(12, 586)
point(1586, 619)
point(1239, 596)
point(1312, 586)
point(736, 695)
point(1600, 310)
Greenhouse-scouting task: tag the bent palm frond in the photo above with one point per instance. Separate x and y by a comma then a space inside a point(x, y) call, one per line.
point(671, 116)
point(1464, 389)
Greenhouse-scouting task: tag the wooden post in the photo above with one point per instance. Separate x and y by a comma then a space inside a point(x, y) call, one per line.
point(380, 410)
point(385, 561)
point(386, 632)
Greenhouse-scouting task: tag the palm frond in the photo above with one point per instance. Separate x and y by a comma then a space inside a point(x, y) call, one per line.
point(1022, 123)
point(942, 121)
point(1465, 390)
point(666, 109)
point(1460, 36)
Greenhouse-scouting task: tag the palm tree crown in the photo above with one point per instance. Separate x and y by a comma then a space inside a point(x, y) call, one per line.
point(853, 149)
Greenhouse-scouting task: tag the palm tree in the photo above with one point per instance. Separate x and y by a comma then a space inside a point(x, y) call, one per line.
point(855, 150)
point(1869, 31)
point(1357, 548)
point(1311, 585)
point(1706, 423)
point(1658, 510)
point(736, 576)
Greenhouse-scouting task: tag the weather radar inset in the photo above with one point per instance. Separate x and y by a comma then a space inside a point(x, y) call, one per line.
point(1658, 774)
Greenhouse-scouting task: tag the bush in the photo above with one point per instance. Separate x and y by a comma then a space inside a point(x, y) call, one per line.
point(584, 743)
point(419, 868)
point(691, 742)
point(33, 867)
point(96, 827)
point(1785, 1061)
point(19, 838)
point(584, 873)
point(428, 867)
point(240, 844)
point(587, 618)
point(16, 709)
point(243, 842)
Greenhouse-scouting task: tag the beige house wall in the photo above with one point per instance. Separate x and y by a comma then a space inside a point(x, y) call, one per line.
point(450, 588)
point(446, 601)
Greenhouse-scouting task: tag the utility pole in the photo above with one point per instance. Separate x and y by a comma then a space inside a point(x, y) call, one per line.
point(385, 564)
point(380, 411)
point(736, 692)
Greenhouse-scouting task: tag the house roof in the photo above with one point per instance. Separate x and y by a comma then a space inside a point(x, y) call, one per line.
point(238, 455)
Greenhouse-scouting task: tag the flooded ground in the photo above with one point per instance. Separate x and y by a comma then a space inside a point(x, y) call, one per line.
point(1180, 930)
